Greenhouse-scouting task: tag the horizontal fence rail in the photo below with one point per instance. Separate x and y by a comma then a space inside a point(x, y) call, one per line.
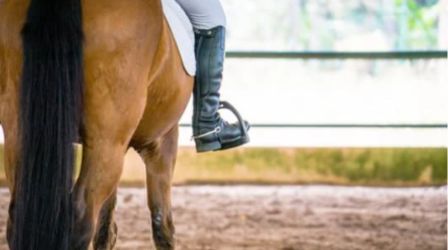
point(326, 55)
point(366, 55)
point(386, 126)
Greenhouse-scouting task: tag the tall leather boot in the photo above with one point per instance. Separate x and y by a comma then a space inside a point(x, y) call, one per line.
point(210, 131)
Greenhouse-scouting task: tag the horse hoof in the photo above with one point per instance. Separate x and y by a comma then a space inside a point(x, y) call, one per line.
point(162, 233)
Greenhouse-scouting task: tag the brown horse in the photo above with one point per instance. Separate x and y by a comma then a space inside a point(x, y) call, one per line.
point(106, 72)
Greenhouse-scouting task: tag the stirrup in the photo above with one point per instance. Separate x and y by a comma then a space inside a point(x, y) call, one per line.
point(228, 106)
point(217, 130)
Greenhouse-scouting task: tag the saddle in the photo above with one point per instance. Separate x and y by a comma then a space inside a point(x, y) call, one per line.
point(183, 33)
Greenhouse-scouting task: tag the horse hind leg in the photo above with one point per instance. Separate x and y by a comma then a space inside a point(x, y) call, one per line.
point(104, 147)
point(10, 161)
point(101, 170)
point(106, 234)
point(160, 158)
point(9, 122)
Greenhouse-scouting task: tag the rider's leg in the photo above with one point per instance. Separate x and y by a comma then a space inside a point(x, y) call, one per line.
point(210, 131)
point(204, 14)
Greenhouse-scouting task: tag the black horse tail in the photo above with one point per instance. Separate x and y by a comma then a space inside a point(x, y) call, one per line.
point(50, 116)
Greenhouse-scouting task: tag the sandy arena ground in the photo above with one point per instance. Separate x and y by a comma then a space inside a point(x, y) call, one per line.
point(287, 218)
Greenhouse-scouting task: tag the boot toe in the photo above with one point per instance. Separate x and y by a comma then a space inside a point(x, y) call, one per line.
point(234, 135)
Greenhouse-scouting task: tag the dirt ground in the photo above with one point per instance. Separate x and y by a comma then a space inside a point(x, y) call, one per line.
point(287, 218)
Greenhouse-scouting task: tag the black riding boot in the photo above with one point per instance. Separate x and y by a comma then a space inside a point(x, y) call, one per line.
point(210, 131)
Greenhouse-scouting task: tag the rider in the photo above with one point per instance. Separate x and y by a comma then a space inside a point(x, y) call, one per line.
point(210, 131)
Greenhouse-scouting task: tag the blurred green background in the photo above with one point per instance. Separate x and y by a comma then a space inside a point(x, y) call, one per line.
point(336, 24)
point(344, 166)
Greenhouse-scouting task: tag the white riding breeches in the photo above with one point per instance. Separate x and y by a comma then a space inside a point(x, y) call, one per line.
point(204, 14)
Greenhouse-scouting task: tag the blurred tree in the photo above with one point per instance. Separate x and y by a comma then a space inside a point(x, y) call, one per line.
point(334, 24)
point(418, 23)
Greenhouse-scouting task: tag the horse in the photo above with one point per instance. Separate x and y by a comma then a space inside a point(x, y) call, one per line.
point(107, 74)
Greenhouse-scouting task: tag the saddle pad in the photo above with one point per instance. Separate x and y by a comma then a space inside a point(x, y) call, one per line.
point(182, 31)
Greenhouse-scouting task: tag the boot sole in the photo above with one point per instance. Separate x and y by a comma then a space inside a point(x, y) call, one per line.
point(217, 146)
point(234, 144)
point(207, 147)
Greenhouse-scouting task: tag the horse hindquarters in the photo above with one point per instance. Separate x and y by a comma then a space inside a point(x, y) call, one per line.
point(119, 54)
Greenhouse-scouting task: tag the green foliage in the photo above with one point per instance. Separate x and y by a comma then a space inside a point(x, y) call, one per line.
point(418, 23)
point(333, 24)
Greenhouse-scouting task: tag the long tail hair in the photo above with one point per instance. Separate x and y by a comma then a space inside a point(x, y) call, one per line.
point(50, 112)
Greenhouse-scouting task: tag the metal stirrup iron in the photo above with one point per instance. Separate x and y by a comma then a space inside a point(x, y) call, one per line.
point(227, 105)
point(217, 130)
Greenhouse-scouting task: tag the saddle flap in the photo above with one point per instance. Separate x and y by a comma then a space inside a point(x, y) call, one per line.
point(183, 33)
